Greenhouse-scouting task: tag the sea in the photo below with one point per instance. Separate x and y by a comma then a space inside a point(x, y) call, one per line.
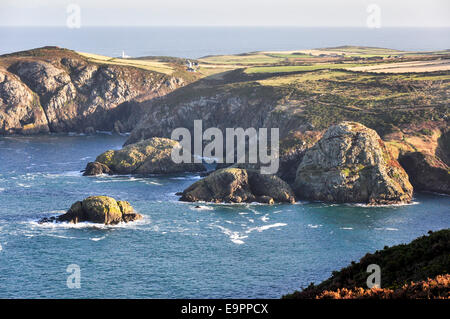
point(180, 250)
point(196, 42)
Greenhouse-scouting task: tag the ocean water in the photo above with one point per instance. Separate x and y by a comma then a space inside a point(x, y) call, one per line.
point(177, 250)
point(195, 42)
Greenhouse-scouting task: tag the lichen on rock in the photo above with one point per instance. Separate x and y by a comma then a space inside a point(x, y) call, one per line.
point(351, 164)
point(97, 209)
point(235, 185)
point(151, 156)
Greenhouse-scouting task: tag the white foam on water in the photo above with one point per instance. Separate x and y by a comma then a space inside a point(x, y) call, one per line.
point(265, 218)
point(104, 132)
point(314, 226)
point(377, 206)
point(117, 179)
point(1, 247)
point(201, 207)
point(265, 227)
point(387, 228)
point(2, 190)
point(153, 183)
point(23, 185)
point(234, 236)
point(347, 228)
point(64, 225)
point(183, 178)
point(97, 238)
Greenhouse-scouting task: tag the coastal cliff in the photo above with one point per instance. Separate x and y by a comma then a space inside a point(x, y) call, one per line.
point(58, 90)
point(350, 163)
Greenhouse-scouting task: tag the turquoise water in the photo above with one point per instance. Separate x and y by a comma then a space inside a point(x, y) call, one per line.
point(177, 251)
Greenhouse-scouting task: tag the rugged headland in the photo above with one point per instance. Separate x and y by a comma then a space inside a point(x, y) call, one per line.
point(59, 90)
point(402, 96)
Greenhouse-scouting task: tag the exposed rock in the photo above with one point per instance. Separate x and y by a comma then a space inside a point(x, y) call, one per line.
point(89, 130)
point(118, 127)
point(423, 149)
point(96, 168)
point(351, 164)
point(152, 156)
point(58, 90)
point(426, 172)
point(97, 209)
point(234, 185)
point(20, 111)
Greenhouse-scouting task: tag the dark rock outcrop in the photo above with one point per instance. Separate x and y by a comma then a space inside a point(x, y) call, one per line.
point(97, 209)
point(152, 156)
point(20, 111)
point(96, 168)
point(351, 164)
point(234, 185)
point(426, 172)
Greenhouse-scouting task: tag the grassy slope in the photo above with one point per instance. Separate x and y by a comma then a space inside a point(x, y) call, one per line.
point(425, 257)
point(303, 85)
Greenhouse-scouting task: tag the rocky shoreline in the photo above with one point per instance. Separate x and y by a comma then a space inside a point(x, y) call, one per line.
point(58, 90)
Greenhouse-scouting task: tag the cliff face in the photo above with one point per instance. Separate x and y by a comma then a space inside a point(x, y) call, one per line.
point(217, 106)
point(57, 90)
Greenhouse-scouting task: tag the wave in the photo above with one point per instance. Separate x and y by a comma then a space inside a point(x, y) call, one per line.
point(385, 205)
point(265, 227)
point(97, 238)
point(201, 207)
point(75, 134)
point(314, 226)
point(234, 236)
point(81, 225)
point(387, 228)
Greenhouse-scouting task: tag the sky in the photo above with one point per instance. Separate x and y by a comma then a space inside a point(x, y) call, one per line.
point(307, 13)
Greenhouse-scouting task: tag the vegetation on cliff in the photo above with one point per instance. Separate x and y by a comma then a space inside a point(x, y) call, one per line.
point(425, 257)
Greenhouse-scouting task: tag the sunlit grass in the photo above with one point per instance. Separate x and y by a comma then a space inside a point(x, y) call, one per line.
point(150, 65)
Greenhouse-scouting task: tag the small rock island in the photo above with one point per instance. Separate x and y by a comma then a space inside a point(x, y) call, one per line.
point(150, 156)
point(97, 209)
point(235, 185)
point(350, 164)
